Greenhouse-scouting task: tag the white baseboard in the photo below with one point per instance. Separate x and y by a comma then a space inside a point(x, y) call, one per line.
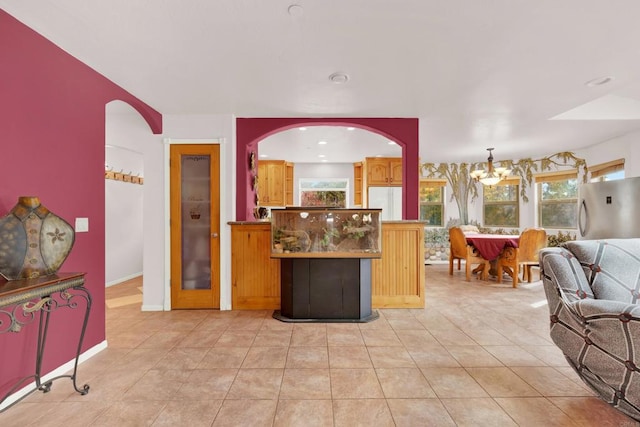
point(123, 279)
point(61, 370)
point(152, 308)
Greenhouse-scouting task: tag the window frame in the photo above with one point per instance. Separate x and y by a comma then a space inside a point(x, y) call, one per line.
point(511, 182)
point(600, 172)
point(555, 177)
point(345, 189)
point(432, 183)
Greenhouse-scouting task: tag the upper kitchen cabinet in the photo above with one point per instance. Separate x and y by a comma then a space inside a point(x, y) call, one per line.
point(384, 171)
point(275, 182)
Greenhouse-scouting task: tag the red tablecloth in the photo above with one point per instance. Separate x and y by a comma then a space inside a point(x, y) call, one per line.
point(490, 245)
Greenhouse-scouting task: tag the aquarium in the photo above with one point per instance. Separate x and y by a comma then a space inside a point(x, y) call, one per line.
point(325, 233)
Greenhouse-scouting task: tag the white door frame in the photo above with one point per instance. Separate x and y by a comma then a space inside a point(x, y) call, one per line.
point(225, 233)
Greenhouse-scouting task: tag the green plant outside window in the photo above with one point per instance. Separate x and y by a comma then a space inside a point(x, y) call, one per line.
point(432, 205)
point(501, 205)
point(558, 203)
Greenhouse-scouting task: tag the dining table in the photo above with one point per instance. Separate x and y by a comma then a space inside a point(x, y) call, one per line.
point(490, 246)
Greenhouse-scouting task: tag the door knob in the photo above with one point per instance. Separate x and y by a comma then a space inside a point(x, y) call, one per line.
point(214, 235)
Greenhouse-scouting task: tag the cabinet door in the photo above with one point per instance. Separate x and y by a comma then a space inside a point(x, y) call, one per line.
point(377, 172)
point(263, 194)
point(275, 184)
point(357, 184)
point(288, 184)
point(396, 172)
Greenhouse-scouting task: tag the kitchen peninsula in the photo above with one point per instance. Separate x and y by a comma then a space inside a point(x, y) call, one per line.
point(397, 275)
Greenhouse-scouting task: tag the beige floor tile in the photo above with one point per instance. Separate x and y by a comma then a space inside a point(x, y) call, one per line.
point(265, 357)
point(157, 385)
point(513, 355)
point(256, 384)
point(391, 357)
point(309, 336)
point(246, 412)
point(477, 412)
point(549, 354)
point(534, 411)
point(310, 383)
point(308, 357)
point(361, 413)
point(130, 414)
point(402, 383)
point(192, 413)
point(70, 413)
point(408, 323)
point(549, 382)
point(472, 356)
point(204, 384)
point(453, 382)
point(182, 358)
point(452, 337)
point(502, 382)
point(419, 412)
point(342, 337)
point(200, 338)
point(349, 357)
point(163, 339)
point(416, 339)
point(223, 357)
point(381, 337)
point(593, 412)
point(273, 338)
point(307, 413)
point(236, 338)
point(434, 356)
point(355, 384)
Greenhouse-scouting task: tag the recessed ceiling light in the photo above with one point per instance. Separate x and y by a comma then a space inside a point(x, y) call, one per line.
point(339, 78)
point(321, 155)
point(599, 81)
point(302, 128)
point(263, 155)
point(351, 128)
point(324, 160)
point(322, 142)
point(391, 143)
point(378, 155)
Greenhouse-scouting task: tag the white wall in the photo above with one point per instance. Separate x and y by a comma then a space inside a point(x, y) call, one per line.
point(125, 129)
point(321, 170)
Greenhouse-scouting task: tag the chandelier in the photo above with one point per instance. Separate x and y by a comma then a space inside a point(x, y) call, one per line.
point(492, 175)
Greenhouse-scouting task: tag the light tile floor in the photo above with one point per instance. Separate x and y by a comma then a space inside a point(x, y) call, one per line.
point(479, 354)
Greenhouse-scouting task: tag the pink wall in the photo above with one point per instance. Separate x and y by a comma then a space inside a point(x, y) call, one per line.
point(250, 131)
point(52, 134)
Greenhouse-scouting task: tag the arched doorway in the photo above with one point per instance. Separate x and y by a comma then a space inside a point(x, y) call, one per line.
point(249, 131)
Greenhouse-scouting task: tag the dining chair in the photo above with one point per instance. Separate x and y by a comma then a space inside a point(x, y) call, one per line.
point(531, 241)
point(460, 250)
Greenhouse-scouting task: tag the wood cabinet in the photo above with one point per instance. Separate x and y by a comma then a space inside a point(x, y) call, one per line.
point(397, 279)
point(272, 180)
point(255, 276)
point(288, 184)
point(357, 184)
point(384, 171)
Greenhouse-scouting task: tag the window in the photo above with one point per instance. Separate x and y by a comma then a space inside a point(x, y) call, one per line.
point(431, 199)
point(609, 171)
point(324, 192)
point(501, 204)
point(558, 200)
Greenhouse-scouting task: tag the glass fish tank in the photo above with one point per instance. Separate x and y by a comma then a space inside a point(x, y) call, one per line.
point(302, 232)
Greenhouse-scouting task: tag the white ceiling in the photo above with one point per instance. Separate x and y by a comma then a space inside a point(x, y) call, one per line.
point(478, 74)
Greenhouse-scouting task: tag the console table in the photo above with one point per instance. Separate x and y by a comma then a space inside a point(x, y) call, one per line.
point(20, 303)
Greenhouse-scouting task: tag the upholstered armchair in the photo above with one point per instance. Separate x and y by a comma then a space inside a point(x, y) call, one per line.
point(460, 250)
point(593, 287)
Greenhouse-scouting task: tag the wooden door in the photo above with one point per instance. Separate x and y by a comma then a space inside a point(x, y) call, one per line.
point(195, 226)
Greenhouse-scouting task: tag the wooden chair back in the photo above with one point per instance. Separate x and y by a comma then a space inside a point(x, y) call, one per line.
point(458, 243)
point(532, 240)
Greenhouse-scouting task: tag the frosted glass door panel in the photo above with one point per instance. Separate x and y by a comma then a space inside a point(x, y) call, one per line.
point(196, 221)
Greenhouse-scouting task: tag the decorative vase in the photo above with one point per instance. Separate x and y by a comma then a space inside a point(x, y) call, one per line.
point(34, 241)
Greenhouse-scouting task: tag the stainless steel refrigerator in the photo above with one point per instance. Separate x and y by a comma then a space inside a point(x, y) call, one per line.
point(389, 199)
point(609, 209)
